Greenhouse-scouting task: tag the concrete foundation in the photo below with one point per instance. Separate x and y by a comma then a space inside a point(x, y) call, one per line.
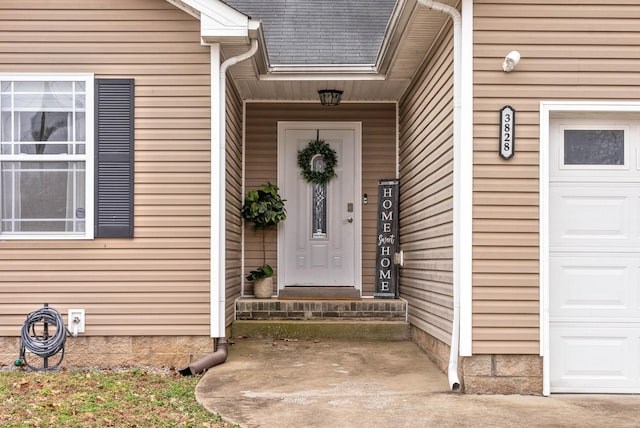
point(486, 374)
point(119, 351)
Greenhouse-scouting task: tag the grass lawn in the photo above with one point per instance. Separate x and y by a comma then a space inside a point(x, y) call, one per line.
point(133, 398)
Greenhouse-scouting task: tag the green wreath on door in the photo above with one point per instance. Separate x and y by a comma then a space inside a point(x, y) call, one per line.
point(306, 156)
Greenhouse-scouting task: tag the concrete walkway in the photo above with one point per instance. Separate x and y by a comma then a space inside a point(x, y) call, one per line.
point(295, 384)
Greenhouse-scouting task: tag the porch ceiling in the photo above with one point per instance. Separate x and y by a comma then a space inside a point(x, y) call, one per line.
point(411, 33)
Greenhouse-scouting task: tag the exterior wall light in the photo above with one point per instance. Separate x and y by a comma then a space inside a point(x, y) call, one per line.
point(510, 61)
point(330, 97)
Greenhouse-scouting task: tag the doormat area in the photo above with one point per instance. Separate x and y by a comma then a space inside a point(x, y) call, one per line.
point(318, 293)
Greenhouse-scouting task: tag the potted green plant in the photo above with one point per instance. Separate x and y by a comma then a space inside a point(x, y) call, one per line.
point(265, 209)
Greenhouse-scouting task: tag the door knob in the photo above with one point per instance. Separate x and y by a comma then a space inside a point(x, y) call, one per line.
point(350, 219)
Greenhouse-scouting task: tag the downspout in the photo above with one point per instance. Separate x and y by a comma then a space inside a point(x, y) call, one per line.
point(222, 182)
point(454, 381)
point(218, 265)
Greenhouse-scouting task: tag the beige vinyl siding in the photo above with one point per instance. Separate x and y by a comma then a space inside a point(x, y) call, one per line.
point(158, 282)
point(571, 50)
point(234, 199)
point(426, 193)
point(378, 162)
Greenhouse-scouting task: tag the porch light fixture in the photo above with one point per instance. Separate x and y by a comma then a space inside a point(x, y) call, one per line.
point(330, 97)
point(510, 61)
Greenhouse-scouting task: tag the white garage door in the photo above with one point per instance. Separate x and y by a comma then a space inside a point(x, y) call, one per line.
point(594, 318)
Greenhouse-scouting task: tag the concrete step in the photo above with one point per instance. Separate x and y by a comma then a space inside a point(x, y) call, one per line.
point(321, 329)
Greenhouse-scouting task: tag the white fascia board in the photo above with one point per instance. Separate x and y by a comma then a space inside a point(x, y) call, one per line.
point(218, 21)
point(215, 29)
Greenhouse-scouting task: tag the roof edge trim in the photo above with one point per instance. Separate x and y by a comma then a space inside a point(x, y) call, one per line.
point(219, 22)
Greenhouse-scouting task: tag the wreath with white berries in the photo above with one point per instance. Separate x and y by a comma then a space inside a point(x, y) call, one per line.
point(305, 156)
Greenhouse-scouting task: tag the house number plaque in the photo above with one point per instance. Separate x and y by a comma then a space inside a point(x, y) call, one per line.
point(507, 132)
point(386, 285)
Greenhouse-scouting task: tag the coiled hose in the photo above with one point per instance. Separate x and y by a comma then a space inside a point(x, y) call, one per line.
point(41, 342)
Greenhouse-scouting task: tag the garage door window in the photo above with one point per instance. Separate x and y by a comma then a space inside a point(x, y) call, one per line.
point(604, 147)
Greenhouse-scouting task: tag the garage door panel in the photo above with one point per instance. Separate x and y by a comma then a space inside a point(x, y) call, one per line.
point(594, 254)
point(594, 286)
point(601, 360)
point(594, 217)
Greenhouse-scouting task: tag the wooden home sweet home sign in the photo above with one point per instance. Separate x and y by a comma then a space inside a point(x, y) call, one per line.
point(386, 286)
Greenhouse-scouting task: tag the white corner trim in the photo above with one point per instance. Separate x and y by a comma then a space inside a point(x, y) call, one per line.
point(465, 169)
point(546, 110)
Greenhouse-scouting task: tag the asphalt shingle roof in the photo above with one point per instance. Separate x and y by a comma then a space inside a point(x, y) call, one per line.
point(320, 32)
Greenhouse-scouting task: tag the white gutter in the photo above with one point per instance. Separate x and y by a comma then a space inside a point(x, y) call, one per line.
point(218, 185)
point(459, 213)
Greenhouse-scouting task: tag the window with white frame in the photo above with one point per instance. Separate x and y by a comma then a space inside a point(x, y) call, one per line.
point(46, 156)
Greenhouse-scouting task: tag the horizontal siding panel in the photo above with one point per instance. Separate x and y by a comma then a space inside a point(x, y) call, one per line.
point(53, 16)
point(97, 24)
point(103, 254)
point(143, 48)
point(591, 38)
point(506, 334)
point(504, 252)
point(170, 156)
point(128, 59)
point(506, 307)
point(73, 4)
point(555, 10)
point(103, 276)
point(110, 298)
point(506, 198)
point(177, 177)
point(173, 199)
point(509, 171)
point(506, 293)
point(135, 329)
point(94, 286)
point(117, 265)
point(506, 320)
point(515, 185)
point(166, 112)
point(510, 279)
point(574, 23)
point(525, 227)
point(138, 243)
point(112, 36)
point(506, 347)
point(172, 221)
point(150, 210)
point(506, 212)
point(496, 266)
point(173, 232)
point(506, 238)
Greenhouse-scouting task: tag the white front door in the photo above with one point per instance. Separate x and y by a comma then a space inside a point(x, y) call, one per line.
point(594, 256)
point(319, 241)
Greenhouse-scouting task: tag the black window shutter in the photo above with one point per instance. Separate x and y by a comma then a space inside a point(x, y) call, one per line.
point(114, 151)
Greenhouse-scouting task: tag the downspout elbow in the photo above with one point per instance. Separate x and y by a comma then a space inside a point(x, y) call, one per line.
point(213, 359)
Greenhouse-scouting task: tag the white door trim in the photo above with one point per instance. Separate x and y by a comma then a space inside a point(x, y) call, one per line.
point(357, 128)
point(546, 109)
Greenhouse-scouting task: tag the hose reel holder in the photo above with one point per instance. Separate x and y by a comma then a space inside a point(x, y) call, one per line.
point(43, 334)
